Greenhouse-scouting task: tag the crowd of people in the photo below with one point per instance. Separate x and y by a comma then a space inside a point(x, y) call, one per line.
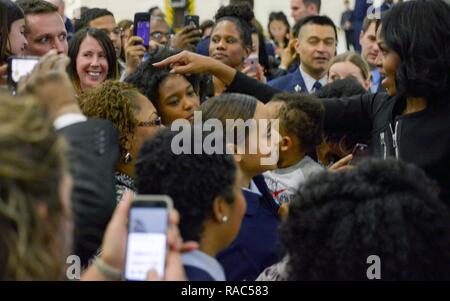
point(92, 126)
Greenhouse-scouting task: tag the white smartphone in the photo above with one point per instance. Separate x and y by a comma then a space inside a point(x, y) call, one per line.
point(147, 236)
point(19, 66)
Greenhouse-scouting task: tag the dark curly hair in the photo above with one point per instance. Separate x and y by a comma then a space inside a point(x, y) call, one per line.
point(384, 208)
point(423, 44)
point(250, 3)
point(241, 16)
point(339, 88)
point(147, 77)
point(117, 102)
point(302, 116)
point(192, 181)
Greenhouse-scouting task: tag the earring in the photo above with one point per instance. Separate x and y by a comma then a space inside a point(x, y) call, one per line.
point(224, 219)
point(127, 158)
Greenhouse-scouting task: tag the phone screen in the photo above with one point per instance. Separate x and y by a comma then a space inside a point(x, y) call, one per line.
point(192, 20)
point(147, 240)
point(143, 31)
point(20, 67)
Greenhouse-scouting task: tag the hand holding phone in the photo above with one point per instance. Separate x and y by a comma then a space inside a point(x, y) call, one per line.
point(19, 66)
point(142, 27)
point(359, 153)
point(192, 20)
point(147, 236)
point(252, 61)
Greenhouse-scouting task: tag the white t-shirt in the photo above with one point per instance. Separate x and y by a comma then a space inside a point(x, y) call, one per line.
point(284, 183)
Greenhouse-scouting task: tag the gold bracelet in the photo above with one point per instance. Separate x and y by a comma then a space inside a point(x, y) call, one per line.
point(107, 270)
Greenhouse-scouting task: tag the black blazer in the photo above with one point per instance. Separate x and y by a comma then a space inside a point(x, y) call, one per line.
point(92, 160)
point(421, 138)
point(255, 247)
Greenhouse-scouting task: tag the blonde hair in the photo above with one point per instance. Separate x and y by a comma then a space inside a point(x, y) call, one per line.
point(354, 58)
point(31, 168)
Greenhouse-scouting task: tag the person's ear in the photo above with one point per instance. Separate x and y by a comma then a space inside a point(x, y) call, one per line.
point(297, 45)
point(220, 210)
point(367, 84)
point(237, 158)
point(247, 52)
point(285, 143)
point(313, 9)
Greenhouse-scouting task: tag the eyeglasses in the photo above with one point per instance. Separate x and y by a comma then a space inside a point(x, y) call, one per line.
point(157, 35)
point(117, 31)
point(154, 122)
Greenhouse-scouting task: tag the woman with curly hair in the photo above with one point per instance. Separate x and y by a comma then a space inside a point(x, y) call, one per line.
point(389, 209)
point(34, 195)
point(135, 118)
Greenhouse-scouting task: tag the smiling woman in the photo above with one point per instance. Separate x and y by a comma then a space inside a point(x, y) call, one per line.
point(92, 59)
point(174, 96)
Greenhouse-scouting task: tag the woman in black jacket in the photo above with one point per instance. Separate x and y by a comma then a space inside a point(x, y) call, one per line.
point(412, 121)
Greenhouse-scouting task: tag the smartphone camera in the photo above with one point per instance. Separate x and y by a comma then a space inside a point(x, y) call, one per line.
point(147, 236)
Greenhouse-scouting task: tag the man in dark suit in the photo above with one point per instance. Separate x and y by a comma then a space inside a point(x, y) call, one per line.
point(346, 24)
point(92, 154)
point(359, 13)
point(316, 46)
point(370, 52)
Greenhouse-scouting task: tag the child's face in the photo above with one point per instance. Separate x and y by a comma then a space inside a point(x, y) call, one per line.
point(274, 108)
point(267, 138)
point(177, 99)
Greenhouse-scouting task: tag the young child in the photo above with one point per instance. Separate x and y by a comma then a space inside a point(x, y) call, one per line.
point(301, 128)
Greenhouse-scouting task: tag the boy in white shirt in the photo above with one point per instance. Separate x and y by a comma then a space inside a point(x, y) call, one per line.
point(301, 129)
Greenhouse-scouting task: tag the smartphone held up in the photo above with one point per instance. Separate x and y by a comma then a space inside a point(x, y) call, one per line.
point(142, 27)
point(359, 153)
point(252, 61)
point(192, 20)
point(20, 66)
point(147, 236)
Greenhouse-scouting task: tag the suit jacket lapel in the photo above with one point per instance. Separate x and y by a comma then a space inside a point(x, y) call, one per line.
point(297, 83)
